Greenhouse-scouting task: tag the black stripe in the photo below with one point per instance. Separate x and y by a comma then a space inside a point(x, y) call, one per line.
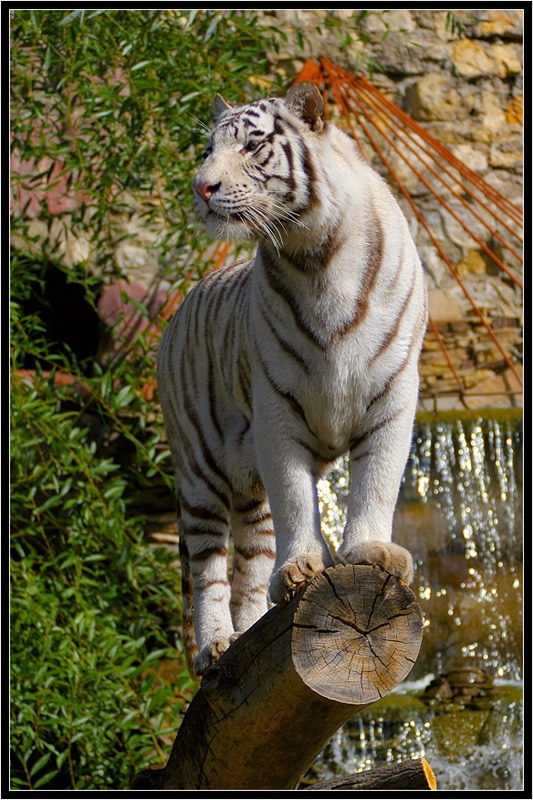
point(289, 180)
point(300, 442)
point(285, 346)
point(366, 454)
point(318, 259)
point(194, 310)
point(214, 582)
point(236, 287)
point(244, 384)
point(201, 512)
point(221, 296)
point(252, 551)
point(312, 198)
point(206, 452)
point(261, 518)
point(398, 272)
point(251, 505)
point(211, 391)
point(193, 466)
point(375, 256)
point(288, 396)
point(287, 149)
point(399, 370)
point(260, 165)
point(391, 334)
point(208, 552)
point(358, 440)
point(192, 530)
point(271, 272)
point(390, 381)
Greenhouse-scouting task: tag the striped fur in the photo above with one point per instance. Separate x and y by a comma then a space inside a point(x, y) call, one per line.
point(272, 369)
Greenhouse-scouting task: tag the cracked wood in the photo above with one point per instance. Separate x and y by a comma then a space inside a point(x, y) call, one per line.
point(270, 705)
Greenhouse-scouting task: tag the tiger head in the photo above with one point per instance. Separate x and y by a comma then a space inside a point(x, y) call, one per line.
point(257, 177)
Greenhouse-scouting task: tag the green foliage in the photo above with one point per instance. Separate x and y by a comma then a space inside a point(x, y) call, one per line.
point(92, 607)
point(104, 106)
point(454, 25)
point(109, 110)
point(113, 98)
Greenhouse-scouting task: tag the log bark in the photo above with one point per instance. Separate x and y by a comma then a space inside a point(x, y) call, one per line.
point(415, 774)
point(273, 701)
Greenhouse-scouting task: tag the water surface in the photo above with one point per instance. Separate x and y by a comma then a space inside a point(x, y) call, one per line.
point(460, 515)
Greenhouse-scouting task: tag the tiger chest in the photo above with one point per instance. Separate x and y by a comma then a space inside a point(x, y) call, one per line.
point(325, 404)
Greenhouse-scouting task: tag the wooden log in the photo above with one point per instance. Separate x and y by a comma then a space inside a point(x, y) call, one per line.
point(273, 701)
point(415, 774)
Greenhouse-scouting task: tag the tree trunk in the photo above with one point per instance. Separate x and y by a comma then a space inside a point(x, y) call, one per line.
point(415, 774)
point(273, 701)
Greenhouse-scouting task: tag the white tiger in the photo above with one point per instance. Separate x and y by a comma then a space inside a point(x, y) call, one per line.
point(272, 369)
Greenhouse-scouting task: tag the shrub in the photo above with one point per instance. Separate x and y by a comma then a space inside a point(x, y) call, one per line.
point(104, 105)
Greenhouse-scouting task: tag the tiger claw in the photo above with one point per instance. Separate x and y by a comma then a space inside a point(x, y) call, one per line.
point(391, 557)
point(290, 577)
point(213, 652)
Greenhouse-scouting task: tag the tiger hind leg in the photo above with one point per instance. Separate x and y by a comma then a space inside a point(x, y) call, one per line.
point(253, 559)
point(207, 625)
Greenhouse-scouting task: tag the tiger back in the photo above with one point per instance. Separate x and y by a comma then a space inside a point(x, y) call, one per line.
point(274, 368)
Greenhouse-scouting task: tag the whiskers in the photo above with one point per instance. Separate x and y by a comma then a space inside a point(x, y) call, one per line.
point(203, 128)
point(259, 217)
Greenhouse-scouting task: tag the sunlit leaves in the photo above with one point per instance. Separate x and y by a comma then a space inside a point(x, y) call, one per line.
point(104, 106)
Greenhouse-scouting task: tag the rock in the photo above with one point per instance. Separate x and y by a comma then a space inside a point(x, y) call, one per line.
point(508, 59)
point(457, 732)
point(399, 56)
point(442, 307)
point(515, 111)
point(473, 261)
point(434, 98)
point(475, 159)
point(459, 228)
point(393, 20)
point(438, 689)
point(501, 23)
point(463, 676)
point(471, 60)
point(490, 108)
point(506, 153)
point(435, 21)
point(489, 389)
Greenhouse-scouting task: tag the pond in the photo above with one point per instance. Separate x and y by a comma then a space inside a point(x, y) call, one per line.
point(460, 515)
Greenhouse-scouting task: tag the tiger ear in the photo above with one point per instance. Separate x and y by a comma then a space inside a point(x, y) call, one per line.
point(305, 101)
point(221, 105)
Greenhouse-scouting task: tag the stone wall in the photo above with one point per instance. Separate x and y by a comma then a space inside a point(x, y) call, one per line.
point(461, 78)
point(468, 91)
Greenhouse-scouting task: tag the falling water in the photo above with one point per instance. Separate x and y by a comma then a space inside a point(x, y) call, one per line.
point(459, 513)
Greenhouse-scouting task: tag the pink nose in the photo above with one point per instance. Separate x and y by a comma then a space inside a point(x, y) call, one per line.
point(205, 190)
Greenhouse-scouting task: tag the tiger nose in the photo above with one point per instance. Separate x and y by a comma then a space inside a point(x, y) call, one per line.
point(205, 190)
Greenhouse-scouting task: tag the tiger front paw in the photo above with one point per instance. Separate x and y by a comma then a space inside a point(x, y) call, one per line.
point(294, 574)
point(212, 652)
point(391, 557)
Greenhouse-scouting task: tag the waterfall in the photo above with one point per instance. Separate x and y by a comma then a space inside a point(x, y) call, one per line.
point(463, 481)
point(460, 515)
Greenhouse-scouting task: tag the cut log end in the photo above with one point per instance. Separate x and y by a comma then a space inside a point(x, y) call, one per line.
point(430, 775)
point(354, 646)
